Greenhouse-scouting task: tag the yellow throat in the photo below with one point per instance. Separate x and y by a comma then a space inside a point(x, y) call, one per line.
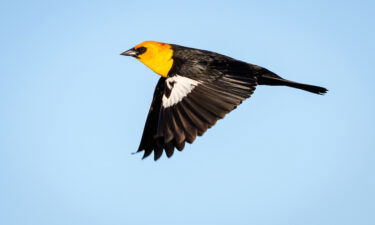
point(158, 57)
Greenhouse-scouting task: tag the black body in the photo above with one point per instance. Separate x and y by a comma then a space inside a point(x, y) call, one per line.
point(224, 83)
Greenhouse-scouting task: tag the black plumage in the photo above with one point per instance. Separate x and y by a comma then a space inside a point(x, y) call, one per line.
point(218, 84)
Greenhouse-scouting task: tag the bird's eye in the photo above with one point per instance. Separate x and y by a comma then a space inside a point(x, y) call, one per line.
point(141, 50)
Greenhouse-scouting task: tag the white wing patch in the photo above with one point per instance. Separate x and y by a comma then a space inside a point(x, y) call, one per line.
point(179, 88)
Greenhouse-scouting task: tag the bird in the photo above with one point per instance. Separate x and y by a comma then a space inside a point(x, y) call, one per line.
point(196, 89)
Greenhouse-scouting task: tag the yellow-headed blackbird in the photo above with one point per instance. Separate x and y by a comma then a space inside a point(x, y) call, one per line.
point(196, 88)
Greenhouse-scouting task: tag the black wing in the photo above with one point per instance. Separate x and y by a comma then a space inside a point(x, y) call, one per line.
point(183, 108)
point(148, 142)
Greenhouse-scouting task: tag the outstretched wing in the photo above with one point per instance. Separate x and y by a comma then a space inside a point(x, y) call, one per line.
point(184, 108)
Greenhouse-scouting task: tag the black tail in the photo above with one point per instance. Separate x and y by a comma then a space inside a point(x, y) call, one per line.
point(272, 79)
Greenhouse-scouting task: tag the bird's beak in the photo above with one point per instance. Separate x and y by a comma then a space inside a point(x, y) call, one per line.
point(130, 52)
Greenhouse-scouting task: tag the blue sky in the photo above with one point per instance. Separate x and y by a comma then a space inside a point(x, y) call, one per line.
point(72, 110)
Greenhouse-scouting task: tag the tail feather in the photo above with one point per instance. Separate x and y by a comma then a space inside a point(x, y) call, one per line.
point(275, 80)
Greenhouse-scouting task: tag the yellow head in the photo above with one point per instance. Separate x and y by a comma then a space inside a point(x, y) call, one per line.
point(156, 55)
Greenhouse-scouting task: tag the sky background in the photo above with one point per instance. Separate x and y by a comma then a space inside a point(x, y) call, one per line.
point(72, 111)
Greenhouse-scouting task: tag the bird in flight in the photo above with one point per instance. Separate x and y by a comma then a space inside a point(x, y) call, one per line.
point(196, 88)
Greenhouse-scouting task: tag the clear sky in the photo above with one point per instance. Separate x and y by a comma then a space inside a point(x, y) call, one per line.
point(72, 111)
